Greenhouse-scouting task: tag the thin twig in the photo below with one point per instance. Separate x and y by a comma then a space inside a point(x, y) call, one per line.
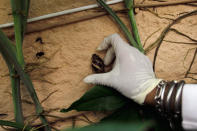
point(171, 3)
point(185, 56)
point(63, 118)
point(190, 4)
point(192, 73)
point(48, 96)
point(190, 66)
point(192, 78)
point(74, 118)
point(150, 37)
point(73, 122)
point(180, 33)
point(157, 15)
point(178, 42)
point(87, 119)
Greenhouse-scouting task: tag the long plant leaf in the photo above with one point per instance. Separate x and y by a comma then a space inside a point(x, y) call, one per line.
point(161, 123)
point(114, 126)
point(15, 82)
point(11, 58)
point(121, 24)
point(6, 50)
point(99, 98)
point(129, 6)
point(128, 113)
point(16, 125)
point(133, 112)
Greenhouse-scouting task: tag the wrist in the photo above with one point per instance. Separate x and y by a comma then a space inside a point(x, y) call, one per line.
point(167, 99)
point(146, 88)
point(149, 100)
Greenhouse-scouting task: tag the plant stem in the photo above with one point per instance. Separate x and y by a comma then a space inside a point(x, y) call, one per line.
point(121, 24)
point(10, 57)
point(15, 80)
point(16, 96)
point(13, 76)
point(15, 84)
point(20, 9)
point(45, 122)
point(19, 24)
point(129, 5)
point(19, 41)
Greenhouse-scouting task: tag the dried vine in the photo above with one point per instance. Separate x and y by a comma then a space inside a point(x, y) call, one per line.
point(158, 42)
point(190, 66)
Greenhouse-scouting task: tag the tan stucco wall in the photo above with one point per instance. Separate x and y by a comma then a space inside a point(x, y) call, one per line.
point(68, 51)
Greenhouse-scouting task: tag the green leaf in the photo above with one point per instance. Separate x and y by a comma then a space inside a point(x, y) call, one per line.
point(128, 113)
point(18, 126)
point(161, 122)
point(4, 39)
point(133, 112)
point(114, 126)
point(99, 98)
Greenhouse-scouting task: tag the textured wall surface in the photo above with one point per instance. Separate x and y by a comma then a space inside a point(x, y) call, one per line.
point(68, 51)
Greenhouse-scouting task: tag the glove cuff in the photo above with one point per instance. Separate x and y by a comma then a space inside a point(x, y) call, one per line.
point(140, 98)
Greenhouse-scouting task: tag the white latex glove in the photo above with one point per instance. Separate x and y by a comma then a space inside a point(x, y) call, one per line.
point(132, 73)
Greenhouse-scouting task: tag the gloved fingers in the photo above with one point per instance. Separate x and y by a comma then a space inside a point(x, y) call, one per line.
point(112, 40)
point(102, 79)
point(110, 55)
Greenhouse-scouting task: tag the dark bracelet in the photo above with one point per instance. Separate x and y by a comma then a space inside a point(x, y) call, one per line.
point(168, 99)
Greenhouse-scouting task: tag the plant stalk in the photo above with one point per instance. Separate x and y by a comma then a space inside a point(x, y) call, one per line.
point(15, 79)
point(15, 84)
point(121, 24)
point(20, 9)
point(16, 96)
point(10, 57)
point(129, 5)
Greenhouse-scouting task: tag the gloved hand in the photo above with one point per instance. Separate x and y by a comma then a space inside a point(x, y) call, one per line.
point(132, 73)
